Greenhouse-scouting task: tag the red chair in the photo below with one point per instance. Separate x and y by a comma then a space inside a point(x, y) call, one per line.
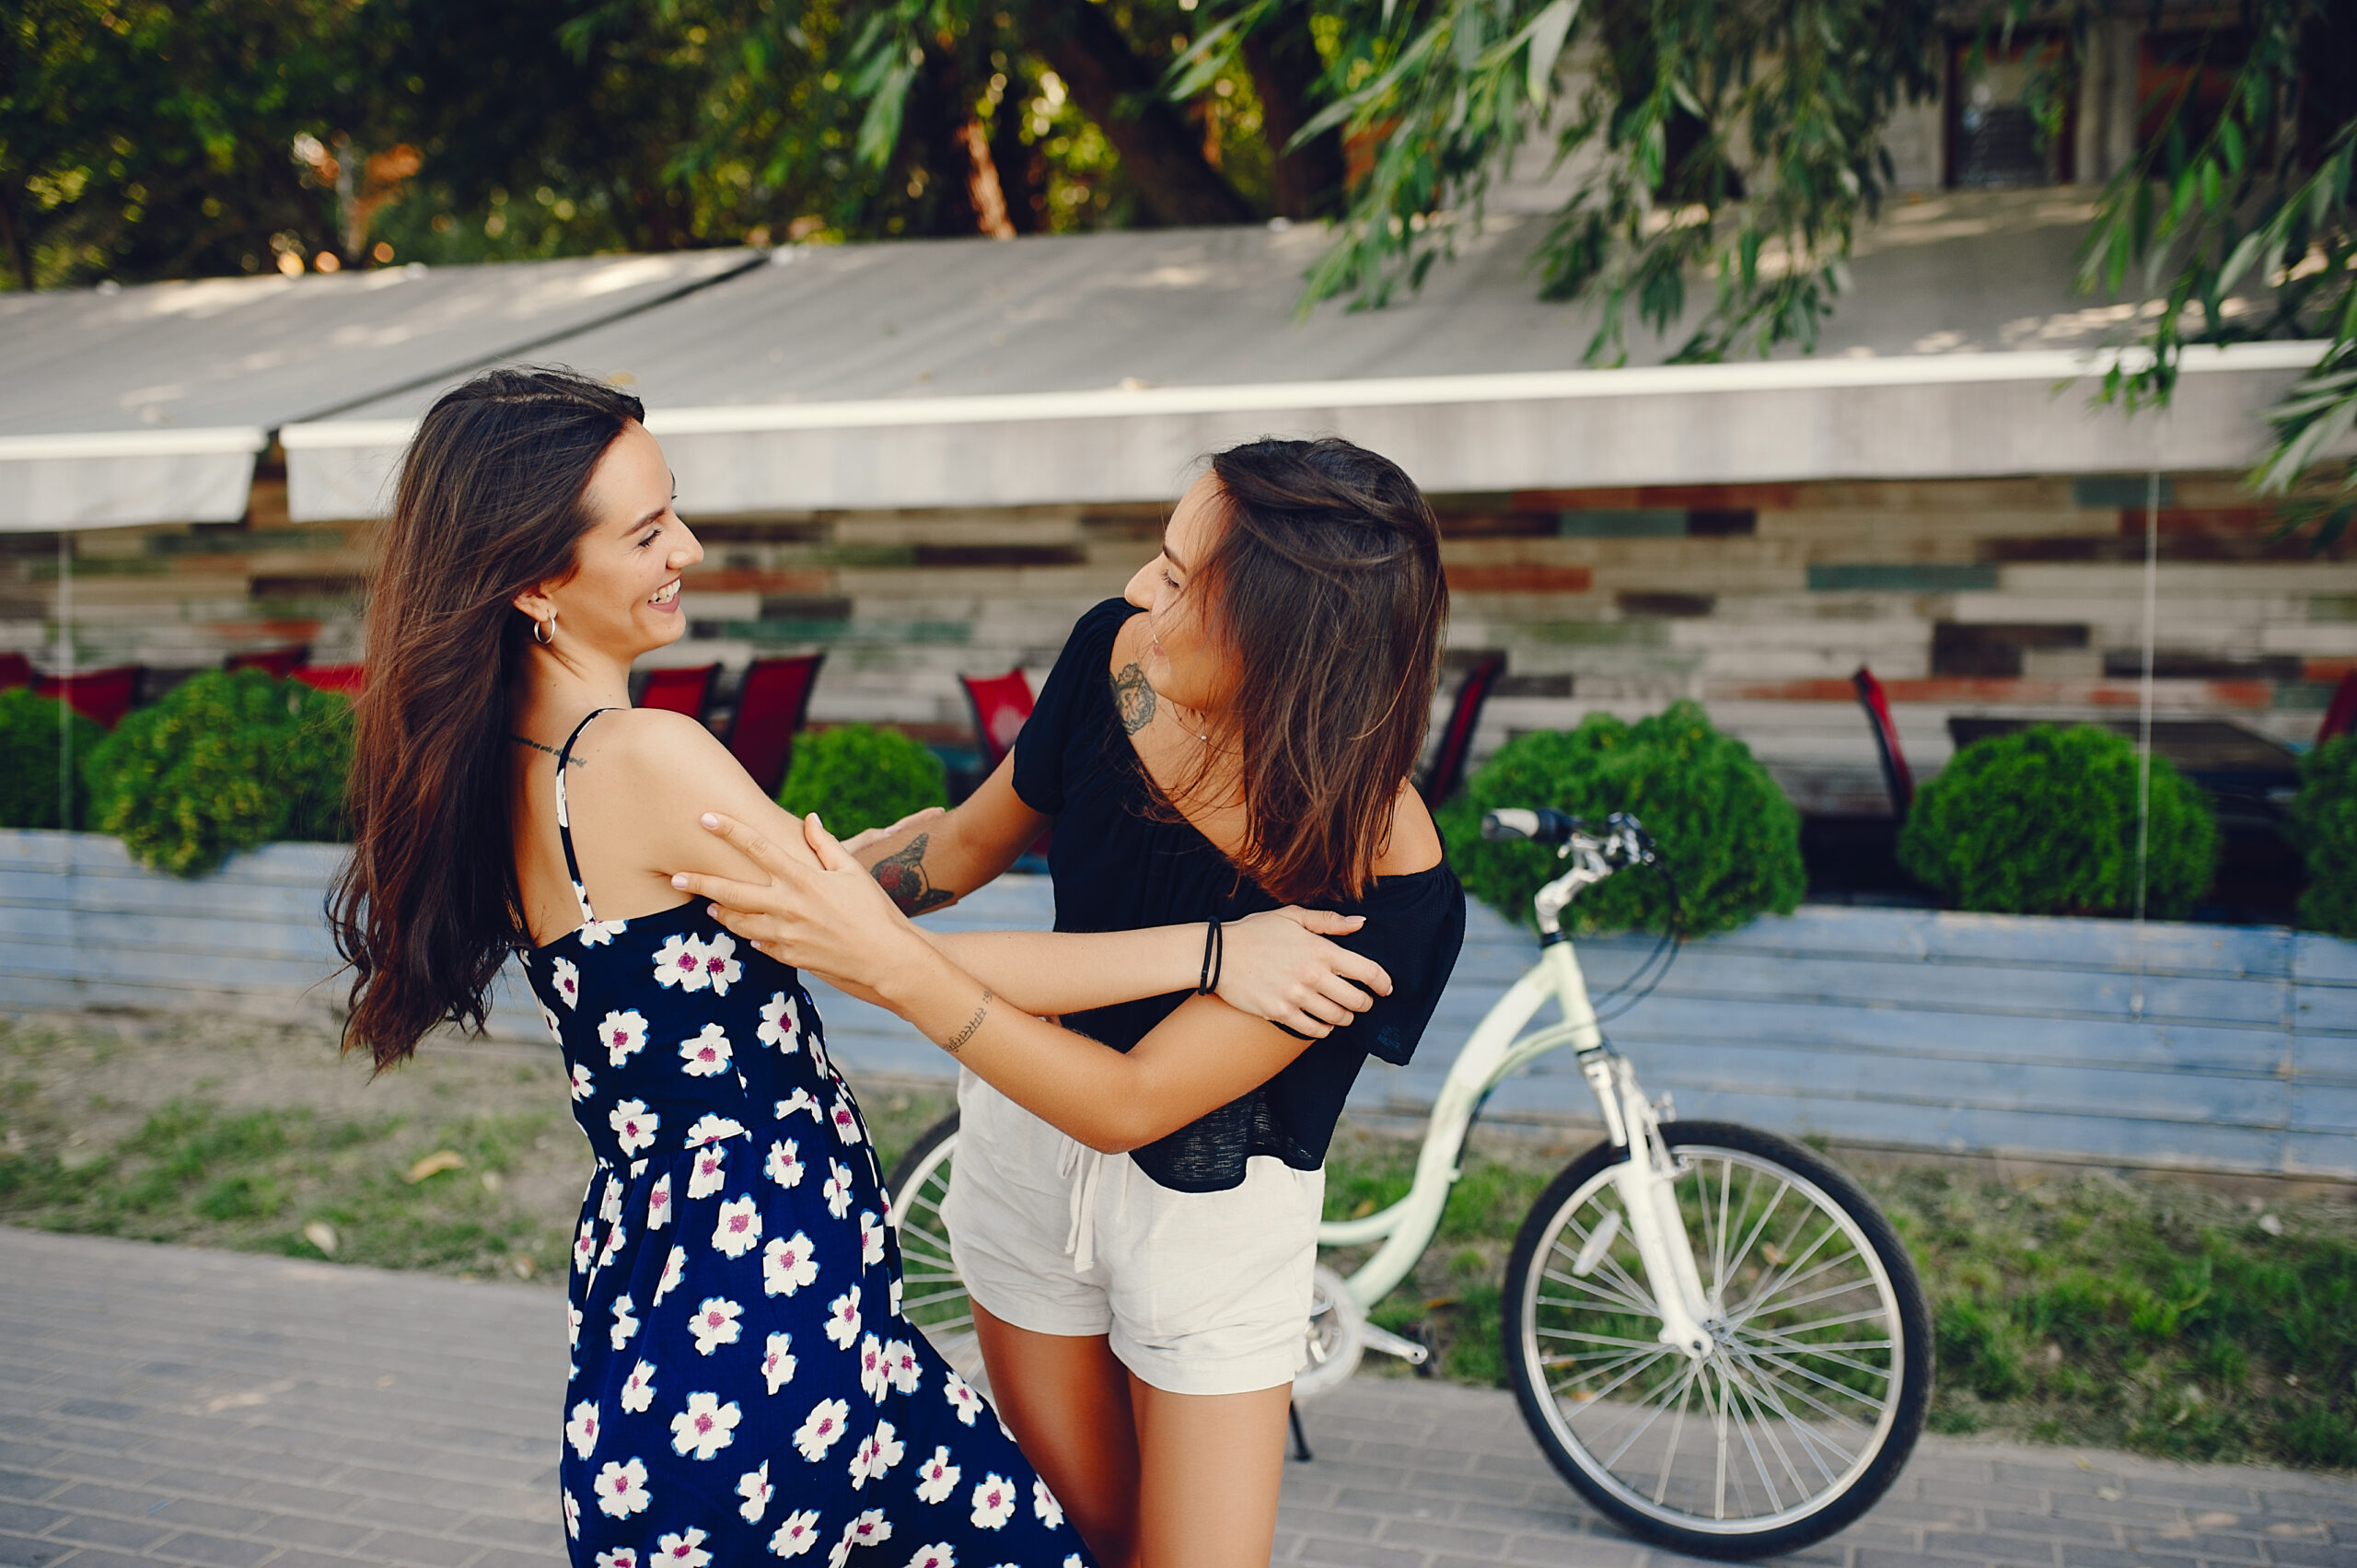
point(1897, 777)
point(2341, 713)
point(1447, 768)
point(685, 689)
point(100, 695)
point(343, 680)
point(279, 664)
point(16, 670)
point(1001, 704)
point(771, 706)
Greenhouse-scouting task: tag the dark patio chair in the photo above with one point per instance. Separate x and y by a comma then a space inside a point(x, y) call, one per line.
point(16, 670)
point(771, 706)
point(103, 696)
point(1001, 703)
point(684, 689)
point(343, 680)
point(1446, 769)
point(280, 663)
point(2341, 713)
point(1897, 777)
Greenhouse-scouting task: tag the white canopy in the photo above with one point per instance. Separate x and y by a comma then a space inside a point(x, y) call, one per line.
point(150, 405)
point(1096, 367)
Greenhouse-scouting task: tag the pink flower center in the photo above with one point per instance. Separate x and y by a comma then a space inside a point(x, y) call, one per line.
point(704, 1423)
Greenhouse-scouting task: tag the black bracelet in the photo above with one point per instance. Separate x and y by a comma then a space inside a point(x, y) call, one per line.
point(1214, 950)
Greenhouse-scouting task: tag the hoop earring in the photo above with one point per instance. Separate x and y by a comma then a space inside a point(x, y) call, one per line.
point(544, 632)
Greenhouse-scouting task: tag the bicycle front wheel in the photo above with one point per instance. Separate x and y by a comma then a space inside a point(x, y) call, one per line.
point(1813, 1393)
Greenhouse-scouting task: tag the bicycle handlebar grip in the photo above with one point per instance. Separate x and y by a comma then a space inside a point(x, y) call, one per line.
point(1540, 825)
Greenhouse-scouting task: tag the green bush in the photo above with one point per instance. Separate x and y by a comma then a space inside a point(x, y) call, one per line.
point(856, 777)
point(228, 760)
point(28, 734)
point(2043, 822)
point(1726, 831)
point(2324, 815)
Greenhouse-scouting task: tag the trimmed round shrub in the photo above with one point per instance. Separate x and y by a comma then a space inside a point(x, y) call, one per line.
point(1726, 833)
point(2043, 822)
point(856, 777)
point(2324, 816)
point(29, 781)
point(228, 760)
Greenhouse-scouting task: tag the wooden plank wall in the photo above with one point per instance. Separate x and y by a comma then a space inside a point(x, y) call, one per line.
point(2213, 1048)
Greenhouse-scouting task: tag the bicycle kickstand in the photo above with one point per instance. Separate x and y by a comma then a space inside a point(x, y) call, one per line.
point(1300, 1439)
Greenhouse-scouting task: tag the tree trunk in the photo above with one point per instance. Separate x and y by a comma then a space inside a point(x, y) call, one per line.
point(1284, 65)
point(1022, 173)
point(20, 256)
point(1160, 152)
point(934, 138)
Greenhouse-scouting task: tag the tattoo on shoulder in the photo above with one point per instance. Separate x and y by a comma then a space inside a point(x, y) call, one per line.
point(902, 874)
point(1133, 698)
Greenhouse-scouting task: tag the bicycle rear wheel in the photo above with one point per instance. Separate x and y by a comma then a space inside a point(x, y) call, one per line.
point(933, 1297)
point(1813, 1393)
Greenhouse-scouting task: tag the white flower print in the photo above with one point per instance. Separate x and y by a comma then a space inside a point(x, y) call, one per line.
point(658, 1202)
point(797, 1535)
point(620, 1557)
point(624, 1033)
point(817, 1047)
point(754, 1486)
point(875, 1380)
point(788, 1265)
point(583, 1086)
point(961, 1397)
point(572, 1515)
point(822, 1429)
point(705, 1427)
point(896, 1296)
point(582, 1430)
point(614, 1239)
point(638, 1389)
point(777, 1364)
point(738, 1228)
point(780, 1023)
point(842, 1318)
point(683, 1550)
point(565, 976)
point(598, 932)
point(1044, 1504)
point(674, 1267)
point(901, 1365)
point(710, 1129)
point(715, 1324)
point(622, 1488)
point(585, 1247)
point(871, 1240)
point(941, 1554)
point(845, 1121)
point(837, 1192)
point(870, 1528)
point(994, 1502)
point(679, 961)
point(707, 1054)
point(937, 1478)
point(633, 1125)
point(785, 1163)
point(721, 969)
point(794, 1103)
point(709, 1173)
point(556, 1029)
point(625, 1324)
point(573, 1327)
point(609, 1202)
point(877, 1453)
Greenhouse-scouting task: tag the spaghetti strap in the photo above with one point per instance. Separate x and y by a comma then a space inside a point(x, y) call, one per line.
point(564, 820)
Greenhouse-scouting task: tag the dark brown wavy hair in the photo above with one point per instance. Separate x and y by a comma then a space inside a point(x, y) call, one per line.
point(489, 504)
point(1324, 586)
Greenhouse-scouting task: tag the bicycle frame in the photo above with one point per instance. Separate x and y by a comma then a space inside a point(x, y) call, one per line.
point(1497, 1047)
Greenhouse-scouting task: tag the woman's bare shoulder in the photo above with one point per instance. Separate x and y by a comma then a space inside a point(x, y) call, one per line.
point(1415, 841)
point(1129, 643)
point(663, 762)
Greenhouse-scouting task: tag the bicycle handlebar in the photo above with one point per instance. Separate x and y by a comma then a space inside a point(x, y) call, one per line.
point(1540, 825)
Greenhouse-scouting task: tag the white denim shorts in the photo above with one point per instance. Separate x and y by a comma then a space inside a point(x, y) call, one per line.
point(1197, 1292)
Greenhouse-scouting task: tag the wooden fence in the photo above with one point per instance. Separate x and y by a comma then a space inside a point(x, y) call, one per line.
point(2218, 1048)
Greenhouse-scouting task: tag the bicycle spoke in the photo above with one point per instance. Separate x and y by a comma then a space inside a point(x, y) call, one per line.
point(1599, 1339)
point(1643, 1427)
point(1790, 1263)
point(1817, 1379)
point(1828, 1413)
point(1830, 1352)
point(1877, 1311)
point(1642, 1308)
point(1735, 1265)
point(1616, 1274)
point(1758, 1302)
point(1753, 1394)
point(1676, 1432)
point(1758, 1464)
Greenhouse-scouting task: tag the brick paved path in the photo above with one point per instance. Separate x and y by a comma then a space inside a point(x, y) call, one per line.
point(161, 1404)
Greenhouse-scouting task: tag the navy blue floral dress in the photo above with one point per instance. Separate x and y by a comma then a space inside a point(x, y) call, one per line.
point(743, 1383)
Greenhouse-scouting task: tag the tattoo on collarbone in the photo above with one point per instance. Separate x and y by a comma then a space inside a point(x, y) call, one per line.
point(527, 740)
point(1133, 698)
point(901, 875)
point(957, 1042)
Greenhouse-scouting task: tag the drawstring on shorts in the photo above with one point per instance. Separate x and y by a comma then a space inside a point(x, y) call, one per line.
point(1088, 1165)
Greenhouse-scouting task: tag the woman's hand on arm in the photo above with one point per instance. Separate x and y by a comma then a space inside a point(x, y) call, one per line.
point(1278, 964)
point(930, 859)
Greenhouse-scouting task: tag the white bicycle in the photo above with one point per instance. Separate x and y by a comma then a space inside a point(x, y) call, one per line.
point(1712, 1332)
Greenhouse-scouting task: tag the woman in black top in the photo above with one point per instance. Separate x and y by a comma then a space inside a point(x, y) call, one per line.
point(1237, 735)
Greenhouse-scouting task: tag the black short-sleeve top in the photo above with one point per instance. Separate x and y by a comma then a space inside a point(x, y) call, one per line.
point(1118, 864)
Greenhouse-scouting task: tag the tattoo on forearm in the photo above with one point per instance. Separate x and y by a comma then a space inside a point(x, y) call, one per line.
point(901, 875)
point(1133, 698)
point(957, 1042)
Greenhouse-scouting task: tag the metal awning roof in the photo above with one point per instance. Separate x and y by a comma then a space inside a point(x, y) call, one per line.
point(150, 405)
point(1098, 367)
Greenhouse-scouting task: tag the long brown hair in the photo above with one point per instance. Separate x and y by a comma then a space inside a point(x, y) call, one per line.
point(489, 504)
point(1324, 587)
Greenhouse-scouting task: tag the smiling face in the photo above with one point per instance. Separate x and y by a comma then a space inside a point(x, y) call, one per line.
point(1186, 661)
point(624, 596)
